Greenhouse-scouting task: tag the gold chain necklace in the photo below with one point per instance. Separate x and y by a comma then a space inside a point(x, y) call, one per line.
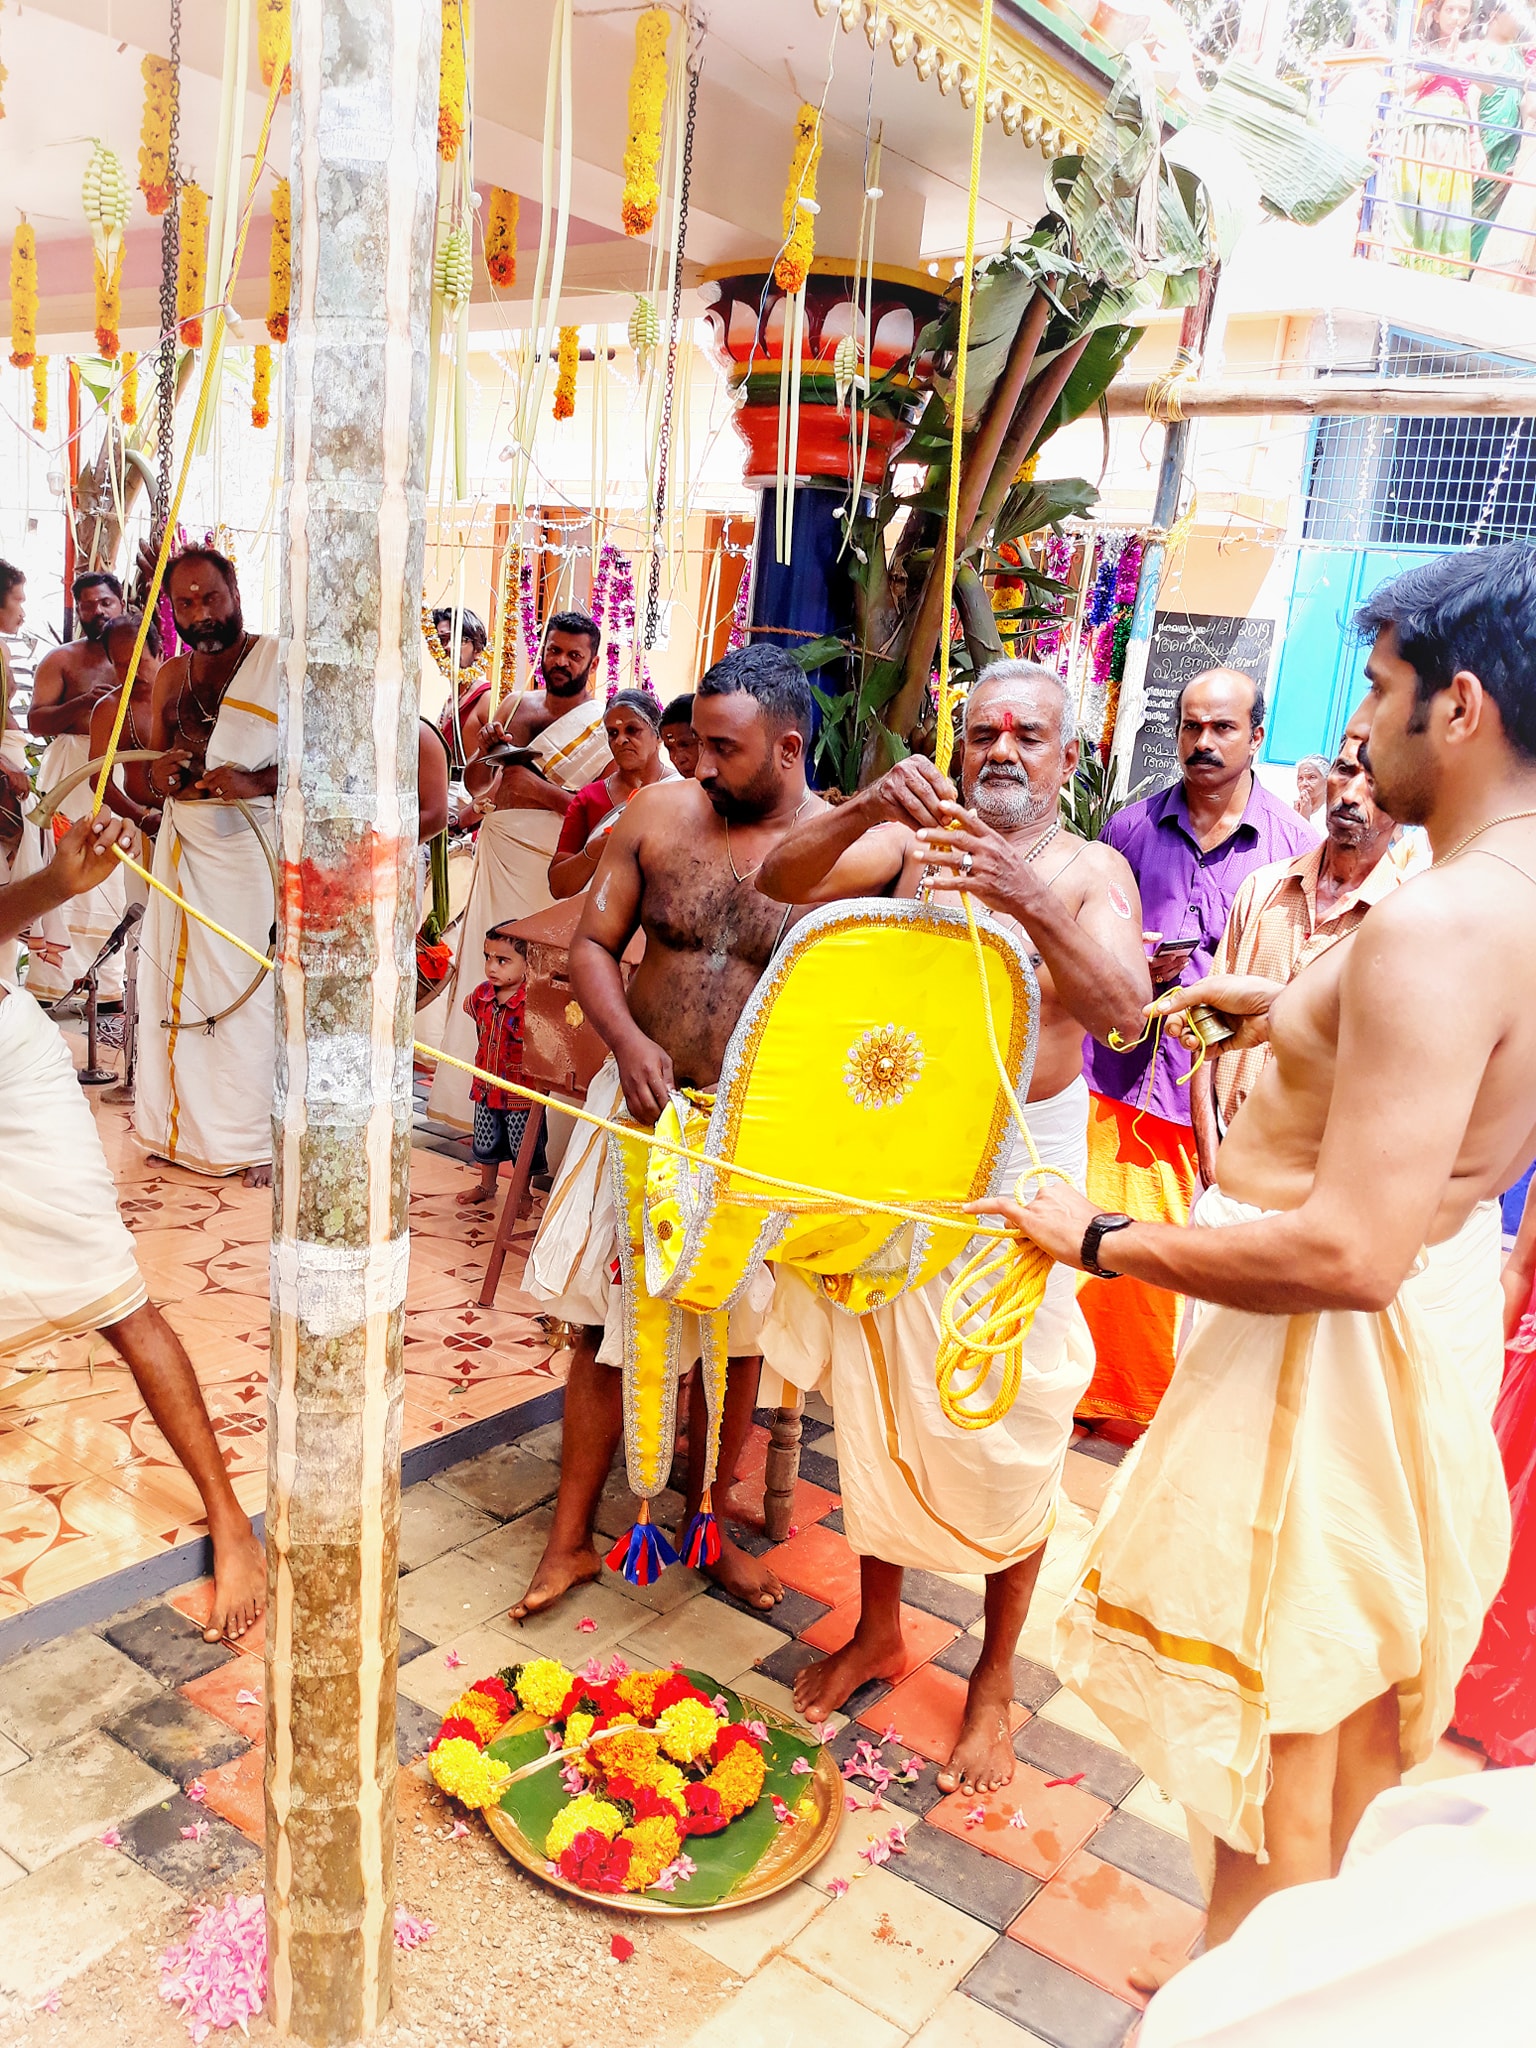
point(1462, 844)
point(752, 871)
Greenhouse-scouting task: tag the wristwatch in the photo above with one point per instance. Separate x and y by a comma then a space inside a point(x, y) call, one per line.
point(1093, 1237)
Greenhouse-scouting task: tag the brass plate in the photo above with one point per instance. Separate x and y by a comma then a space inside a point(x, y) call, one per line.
point(791, 1855)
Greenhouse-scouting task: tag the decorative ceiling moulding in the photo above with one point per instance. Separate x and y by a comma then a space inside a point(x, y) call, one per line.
point(1027, 90)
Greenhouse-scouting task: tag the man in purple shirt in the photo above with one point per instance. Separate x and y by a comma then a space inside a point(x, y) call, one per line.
point(1190, 847)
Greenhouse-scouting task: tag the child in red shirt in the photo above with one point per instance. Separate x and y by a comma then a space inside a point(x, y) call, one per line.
point(497, 1008)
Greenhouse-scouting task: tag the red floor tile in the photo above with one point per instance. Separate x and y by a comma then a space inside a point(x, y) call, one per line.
point(1102, 1922)
point(819, 1562)
point(216, 1693)
point(234, 1791)
point(745, 1502)
point(195, 1601)
point(1055, 1822)
point(926, 1710)
point(924, 1635)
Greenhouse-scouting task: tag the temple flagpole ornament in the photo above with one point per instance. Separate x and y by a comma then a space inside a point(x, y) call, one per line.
point(364, 189)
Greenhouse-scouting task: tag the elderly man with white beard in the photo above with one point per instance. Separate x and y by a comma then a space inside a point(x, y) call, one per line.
point(918, 1490)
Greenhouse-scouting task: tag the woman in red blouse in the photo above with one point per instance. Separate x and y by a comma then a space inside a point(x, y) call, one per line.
point(633, 725)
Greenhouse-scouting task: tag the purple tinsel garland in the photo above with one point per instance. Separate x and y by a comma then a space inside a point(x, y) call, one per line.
point(613, 610)
point(737, 637)
point(1058, 563)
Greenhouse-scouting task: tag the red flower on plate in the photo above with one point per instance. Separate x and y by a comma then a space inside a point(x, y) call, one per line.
point(595, 1863)
point(675, 1688)
point(731, 1736)
point(495, 1690)
point(458, 1726)
point(706, 1814)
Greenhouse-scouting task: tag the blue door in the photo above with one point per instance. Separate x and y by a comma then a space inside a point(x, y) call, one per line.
point(1321, 677)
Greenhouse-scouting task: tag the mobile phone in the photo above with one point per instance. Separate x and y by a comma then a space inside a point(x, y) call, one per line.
point(1174, 946)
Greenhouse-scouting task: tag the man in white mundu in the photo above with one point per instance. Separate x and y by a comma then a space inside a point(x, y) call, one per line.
point(69, 683)
point(561, 727)
point(206, 1026)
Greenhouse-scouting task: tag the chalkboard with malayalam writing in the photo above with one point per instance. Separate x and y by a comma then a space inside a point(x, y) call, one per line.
point(1184, 644)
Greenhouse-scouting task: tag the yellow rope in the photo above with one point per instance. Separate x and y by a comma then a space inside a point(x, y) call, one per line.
point(204, 397)
point(944, 738)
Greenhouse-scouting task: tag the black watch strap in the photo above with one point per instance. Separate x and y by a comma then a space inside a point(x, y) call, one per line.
point(1100, 1228)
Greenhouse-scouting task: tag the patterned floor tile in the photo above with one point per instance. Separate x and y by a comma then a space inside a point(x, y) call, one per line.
point(1104, 1924)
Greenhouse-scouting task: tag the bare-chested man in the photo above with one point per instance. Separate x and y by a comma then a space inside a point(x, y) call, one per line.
point(206, 1049)
point(66, 1261)
point(522, 805)
point(1273, 1616)
point(680, 866)
point(984, 1501)
point(70, 682)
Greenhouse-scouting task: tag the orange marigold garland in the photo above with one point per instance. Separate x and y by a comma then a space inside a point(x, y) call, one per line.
point(501, 238)
point(565, 381)
point(40, 394)
point(274, 41)
point(192, 265)
point(280, 261)
point(647, 95)
point(129, 389)
point(794, 263)
point(23, 295)
point(261, 386)
point(630, 1808)
point(160, 89)
point(109, 304)
point(453, 84)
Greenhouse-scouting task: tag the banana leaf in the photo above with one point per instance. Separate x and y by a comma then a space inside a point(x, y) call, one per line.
point(814, 654)
point(1029, 508)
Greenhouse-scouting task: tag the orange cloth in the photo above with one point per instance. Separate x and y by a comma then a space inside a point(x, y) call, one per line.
point(1143, 1166)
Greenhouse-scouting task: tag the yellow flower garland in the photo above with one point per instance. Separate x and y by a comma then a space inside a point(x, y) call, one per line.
point(109, 303)
point(794, 264)
point(129, 392)
point(501, 237)
point(586, 1810)
point(565, 382)
point(453, 86)
point(478, 670)
point(261, 386)
point(23, 295)
point(160, 89)
point(40, 394)
point(654, 1843)
point(192, 265)
point(647, 94)
point(466, 1773)
point(280, 261)
point(689, 1731)
point(274, 40)
point(543, 1684)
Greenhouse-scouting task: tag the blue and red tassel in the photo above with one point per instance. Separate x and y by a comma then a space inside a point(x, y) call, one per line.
point(701, 1539)
point(643, 1554)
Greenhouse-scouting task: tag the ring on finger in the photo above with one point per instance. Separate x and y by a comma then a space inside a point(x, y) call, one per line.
point(967, 862)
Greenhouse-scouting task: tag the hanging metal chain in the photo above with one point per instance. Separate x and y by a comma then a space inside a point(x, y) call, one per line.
point(170, 250)
point(664, 438)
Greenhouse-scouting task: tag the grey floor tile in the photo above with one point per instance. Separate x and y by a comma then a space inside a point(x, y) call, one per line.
point(795, 1612)
point(1151, 1853)
point(1102, 1448)
point(411, 1645)
point(415, 1727)
point(51, 1694)
point(167, 1645)
point(1062, 1753)
point(213, 1854)
point(753, 1541)
point(434, 1519)
point(941, 1596)
point(917, 1797)
point(1033, 1684)
point(69, 1797)
point(983, 1886)
point(176, 1738)
point(504, 1482)
point(834, 1521)
point(819, 1469)
point(1054, 2003)
point(785, 1664)
point(57, 1922)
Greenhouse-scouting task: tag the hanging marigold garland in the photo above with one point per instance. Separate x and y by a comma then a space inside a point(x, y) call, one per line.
point(501, 238)
point(261, 386)
point(23, 295)
point(129, 389)
point(280, 261)
point(4, 75)
point(104, 198)
point(647, 93)
point(794, 263)
point(40, 394)
point(565, 380)
point(109, 303)
point(192, 265)
point(453, 85)
point(155, 133)
point(274, 41)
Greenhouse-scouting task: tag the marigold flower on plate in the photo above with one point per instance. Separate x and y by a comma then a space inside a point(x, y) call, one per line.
point(653, 1844)
point(456, 1728)
point(543, 1685)
point(585, 1811)
point(738, 1778)
point(632, 1753)
point(480, 1712)
point(465, 1774)
point(689, 1731)
point(495, 1690)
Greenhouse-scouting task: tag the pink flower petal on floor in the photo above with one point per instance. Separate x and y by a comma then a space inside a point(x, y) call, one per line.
point(1016, 1819)
point(794, 1530)
point(246, 1698)
point(409, 1931)
point(799, 1768)
point(837, 1887)
point(975, 1816)
point(888, 1733)
point(49, 2002)
point(218, 1976)
point(197, 1792)
point(852, 1805)
point(457, 1832)
point(111, 1839)
point(877, 1851)
point(1075, 1779)
point(196, 1832)
point(621, 1948)
point(453, 1661)
point(586, 1626)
